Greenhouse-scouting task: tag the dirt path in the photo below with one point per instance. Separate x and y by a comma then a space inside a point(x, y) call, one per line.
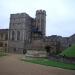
point(11, 65)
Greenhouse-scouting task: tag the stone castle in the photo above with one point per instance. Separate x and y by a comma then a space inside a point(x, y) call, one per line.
point(27, 34)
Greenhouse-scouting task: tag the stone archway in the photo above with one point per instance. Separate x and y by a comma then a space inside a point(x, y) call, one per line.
point(48, 49)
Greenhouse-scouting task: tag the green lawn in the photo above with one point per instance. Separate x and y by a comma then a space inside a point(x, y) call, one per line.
point(2, 54)
point(51, 63)
point(70, 52)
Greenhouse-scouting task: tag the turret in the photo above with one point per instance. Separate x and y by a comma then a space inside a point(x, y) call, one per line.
point(41, 21)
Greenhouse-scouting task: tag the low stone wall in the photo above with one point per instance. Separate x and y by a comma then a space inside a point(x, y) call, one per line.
point(62, 59)
point(36, 53)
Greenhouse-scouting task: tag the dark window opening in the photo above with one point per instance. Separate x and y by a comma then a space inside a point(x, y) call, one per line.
point(1, 44)
point(18, 35)
point(5, 45)
point(13, 35)
point(14, 49)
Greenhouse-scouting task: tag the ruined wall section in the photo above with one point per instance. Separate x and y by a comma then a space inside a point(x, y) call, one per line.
point(19, 31)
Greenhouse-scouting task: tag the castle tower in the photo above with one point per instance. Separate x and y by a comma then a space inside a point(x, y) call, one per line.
point(41, 21)
point(19, 32)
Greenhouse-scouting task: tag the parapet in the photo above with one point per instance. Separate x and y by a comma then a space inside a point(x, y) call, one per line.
point(17, 15)
point(40, 12)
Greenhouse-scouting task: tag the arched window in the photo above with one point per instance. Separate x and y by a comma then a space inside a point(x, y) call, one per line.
point(13, 35)
point(1, 44)
point(18, 35)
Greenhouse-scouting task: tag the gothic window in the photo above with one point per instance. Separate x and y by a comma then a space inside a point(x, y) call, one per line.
point(13, 35)
point(18, 35)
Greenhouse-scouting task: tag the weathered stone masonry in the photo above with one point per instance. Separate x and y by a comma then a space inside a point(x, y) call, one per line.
point(28, 34)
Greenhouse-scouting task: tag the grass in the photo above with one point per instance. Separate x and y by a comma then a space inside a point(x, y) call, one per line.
point(51, 63)
point(2, 54)
point(69, 52)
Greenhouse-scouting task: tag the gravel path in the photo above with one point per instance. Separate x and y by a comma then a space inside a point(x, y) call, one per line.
point(11, 65)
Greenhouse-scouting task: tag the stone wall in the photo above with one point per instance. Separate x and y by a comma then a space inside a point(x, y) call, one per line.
point(64, 59)
point(4, 40)
point(36, 53)
point(19, 23)
point(32, 34)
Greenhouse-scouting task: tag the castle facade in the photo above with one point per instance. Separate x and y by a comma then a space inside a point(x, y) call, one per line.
point(27, 35)
point(24, 30)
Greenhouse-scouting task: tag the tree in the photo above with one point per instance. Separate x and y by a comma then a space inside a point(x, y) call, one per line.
point(58, 47)
point(47, 49)
point(24, 51)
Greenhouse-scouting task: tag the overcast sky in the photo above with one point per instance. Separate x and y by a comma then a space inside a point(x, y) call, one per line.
point(60, 14)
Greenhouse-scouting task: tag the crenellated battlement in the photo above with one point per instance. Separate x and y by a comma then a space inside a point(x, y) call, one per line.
point(41, 12)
